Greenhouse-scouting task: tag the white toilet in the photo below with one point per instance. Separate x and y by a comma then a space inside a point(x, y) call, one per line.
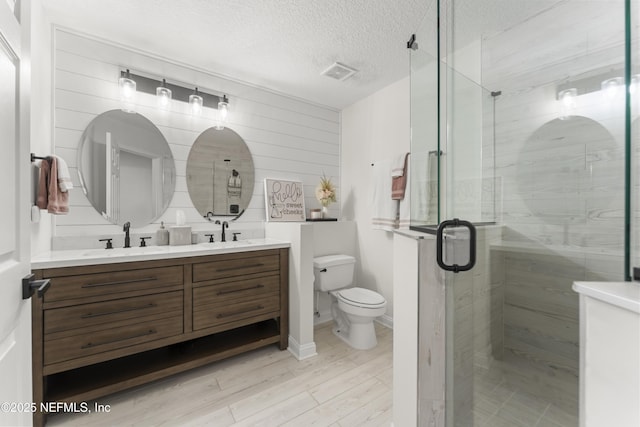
point(353, 309)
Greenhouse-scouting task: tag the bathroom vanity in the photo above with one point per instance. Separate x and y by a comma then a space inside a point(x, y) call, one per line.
point(115, 319)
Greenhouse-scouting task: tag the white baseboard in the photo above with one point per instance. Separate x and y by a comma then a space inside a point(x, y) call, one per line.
point(385, 320)
point(303, 351)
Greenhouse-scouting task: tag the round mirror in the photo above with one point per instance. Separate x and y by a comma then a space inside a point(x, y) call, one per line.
point(126, 168)
point(561, 164)
point(220, 173)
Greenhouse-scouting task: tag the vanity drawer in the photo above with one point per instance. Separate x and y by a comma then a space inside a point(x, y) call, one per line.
point(91, 343)
point(206, 316)
point(240, 266)
point(240, 289)
point(112, 283)
point(88, 315)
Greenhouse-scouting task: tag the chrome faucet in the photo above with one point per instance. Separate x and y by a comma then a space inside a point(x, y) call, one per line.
point(127, 240)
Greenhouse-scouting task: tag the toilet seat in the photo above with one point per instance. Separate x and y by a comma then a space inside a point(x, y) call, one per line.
point(361, 297)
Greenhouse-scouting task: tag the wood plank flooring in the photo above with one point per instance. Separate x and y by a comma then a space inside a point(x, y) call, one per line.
point(340, 387)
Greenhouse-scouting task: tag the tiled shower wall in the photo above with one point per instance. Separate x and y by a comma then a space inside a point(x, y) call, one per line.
point(560, 194)
point(561, 182)
point(288, 138)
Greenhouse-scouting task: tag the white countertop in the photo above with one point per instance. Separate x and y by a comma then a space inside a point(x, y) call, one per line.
point(72, 258)
point(621, 294)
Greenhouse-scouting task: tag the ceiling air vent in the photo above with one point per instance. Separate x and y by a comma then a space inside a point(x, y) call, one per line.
point(339, 71)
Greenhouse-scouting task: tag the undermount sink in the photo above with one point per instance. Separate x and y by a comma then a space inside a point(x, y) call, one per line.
point(124, 251)
point(228, 244)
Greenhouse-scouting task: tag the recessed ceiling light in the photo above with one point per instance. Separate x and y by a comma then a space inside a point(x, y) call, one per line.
point(339, 71)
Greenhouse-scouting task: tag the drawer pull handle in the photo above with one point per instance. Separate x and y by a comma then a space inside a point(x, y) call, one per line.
point(233, 291)
point(143, 334)
point(240, 267)
point(124, 310)
point(120, 282)
point(235, 313)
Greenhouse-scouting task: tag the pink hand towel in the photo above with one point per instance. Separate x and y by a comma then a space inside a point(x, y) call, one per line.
point(43, 184)
point(49, 195)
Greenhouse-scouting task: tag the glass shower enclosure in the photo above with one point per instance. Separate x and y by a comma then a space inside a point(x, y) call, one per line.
point(524, 118)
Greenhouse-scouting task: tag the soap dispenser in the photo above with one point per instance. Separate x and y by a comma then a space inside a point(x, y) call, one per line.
point(162, 235)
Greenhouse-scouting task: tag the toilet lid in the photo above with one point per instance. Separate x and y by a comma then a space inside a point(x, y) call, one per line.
point(361, 297)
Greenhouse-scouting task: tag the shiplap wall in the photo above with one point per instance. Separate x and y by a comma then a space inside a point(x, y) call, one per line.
point(288, 138)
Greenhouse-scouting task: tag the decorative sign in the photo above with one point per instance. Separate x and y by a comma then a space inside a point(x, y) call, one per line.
point(284, 200)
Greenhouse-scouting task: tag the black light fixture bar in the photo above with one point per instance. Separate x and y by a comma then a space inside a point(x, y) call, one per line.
point(179, 93)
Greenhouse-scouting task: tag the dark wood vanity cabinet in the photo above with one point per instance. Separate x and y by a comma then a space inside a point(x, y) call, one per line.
point(105, 328)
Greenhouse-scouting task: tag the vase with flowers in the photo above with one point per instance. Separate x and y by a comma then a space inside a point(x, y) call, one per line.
point(326, 194)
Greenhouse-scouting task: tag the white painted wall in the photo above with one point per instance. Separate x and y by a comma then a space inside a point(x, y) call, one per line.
point(288, 138)
point(300, 235)
point(373, 129)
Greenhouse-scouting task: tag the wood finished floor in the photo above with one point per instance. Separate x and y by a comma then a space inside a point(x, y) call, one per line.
point(340, 387)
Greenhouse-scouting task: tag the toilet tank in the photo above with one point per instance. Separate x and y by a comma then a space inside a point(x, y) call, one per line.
point(333, 272)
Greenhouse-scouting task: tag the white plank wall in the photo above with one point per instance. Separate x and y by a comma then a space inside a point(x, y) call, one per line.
point(569, 194)
point(288, 138)
point(559, 190)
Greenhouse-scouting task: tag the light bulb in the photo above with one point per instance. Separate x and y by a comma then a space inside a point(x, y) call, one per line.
point(634, 85)
point(163, 94)
point(196, 102)
point(127, 87)
point(611, 87)
point(567, 100)
point(223, 112)
point(568, 97)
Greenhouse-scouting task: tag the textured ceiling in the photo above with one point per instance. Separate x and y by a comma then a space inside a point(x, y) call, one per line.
point(282, 45)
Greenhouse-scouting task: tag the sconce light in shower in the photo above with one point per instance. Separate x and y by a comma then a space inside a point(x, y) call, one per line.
point(634, 86)
point(607, 82)
point(611, 87)
point(164, 95)
point(196, 102)
point(223, 112)
point(127, 87)
point(567, 100)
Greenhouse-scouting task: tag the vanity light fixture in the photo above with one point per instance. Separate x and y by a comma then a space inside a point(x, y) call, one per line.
point(223, 112)
point(127, 87)
point(611, 87)
point(196, 102)
point(164, 95)
point(168, 92)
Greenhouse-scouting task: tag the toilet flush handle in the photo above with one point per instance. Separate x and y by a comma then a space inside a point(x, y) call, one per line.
point(324, 270)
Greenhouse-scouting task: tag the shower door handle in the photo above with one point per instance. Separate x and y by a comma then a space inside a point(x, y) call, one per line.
point(440, 241)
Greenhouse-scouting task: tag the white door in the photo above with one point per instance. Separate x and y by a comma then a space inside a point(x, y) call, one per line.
point(15, 313)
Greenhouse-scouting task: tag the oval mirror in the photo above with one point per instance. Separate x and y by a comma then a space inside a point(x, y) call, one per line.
point(126, 168)
point(220, 175)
